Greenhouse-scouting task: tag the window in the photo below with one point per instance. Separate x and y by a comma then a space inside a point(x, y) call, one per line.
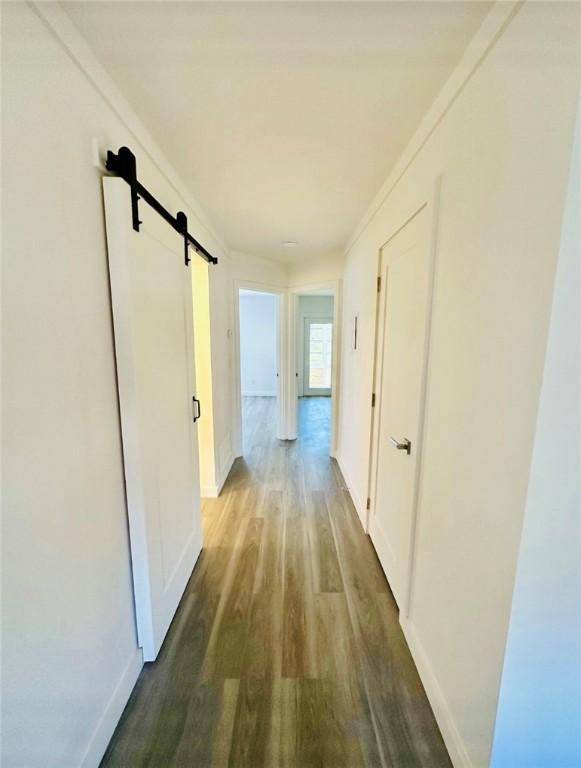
point(320, 350)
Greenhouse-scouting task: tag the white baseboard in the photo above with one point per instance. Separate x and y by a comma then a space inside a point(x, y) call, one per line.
point(260, 393)
point(450, 733)
point(226, 467)
point(358, 503)
point(386, 557)
point(213, 491)
point(112, 712)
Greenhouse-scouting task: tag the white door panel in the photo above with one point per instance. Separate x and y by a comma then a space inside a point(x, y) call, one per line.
point(318, 350)
point(405, 270)
point(152, 314)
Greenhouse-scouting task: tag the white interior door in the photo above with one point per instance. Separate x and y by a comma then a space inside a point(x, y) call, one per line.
point(318, 356)
point(406, 283)
point(152, 314)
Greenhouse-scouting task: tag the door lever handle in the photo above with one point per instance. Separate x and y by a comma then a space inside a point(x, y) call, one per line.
point(405, 445)
point(197, 408)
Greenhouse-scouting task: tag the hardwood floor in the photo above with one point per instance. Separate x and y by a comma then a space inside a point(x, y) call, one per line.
point(286, 649)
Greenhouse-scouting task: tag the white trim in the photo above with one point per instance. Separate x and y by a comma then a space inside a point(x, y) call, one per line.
point(294, 292)
point(431, 205)
point(358, 503)
point(260, 393)
point(433, 211)
point(493, 26)
point(450, 733)
point(281, 359)
point(213, 491)
point(225, 472)
point(77, 48)
point(385, 553)
point(112, 712)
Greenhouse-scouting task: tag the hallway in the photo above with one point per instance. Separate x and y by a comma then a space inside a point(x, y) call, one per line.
point(286, 649)
point(314, 424)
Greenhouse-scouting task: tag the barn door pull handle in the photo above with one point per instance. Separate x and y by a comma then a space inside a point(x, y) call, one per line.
point(197, 408)
point(405, 444)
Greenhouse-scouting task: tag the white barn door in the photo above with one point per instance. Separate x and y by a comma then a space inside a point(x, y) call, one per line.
point(152, 317)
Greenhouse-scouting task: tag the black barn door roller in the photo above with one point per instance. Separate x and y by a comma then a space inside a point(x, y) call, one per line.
point(123, 164)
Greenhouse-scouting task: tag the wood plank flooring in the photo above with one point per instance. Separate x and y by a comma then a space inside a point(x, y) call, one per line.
point(286, 650)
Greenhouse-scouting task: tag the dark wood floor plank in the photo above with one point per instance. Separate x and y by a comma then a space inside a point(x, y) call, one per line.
point(294, 489)
point(154, 722)
point(347, 722)
point(263, 653)
point(252, 727)
point(232, 633)
point(298, 633)
point(284, 724)
point(286, 650)
point(269, 571)
point(222, 742)
point(328, 573)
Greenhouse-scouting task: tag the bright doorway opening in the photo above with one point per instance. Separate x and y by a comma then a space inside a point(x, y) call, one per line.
point(209, 468)
point(314, 334)
point(318, 356)
point(259, 355)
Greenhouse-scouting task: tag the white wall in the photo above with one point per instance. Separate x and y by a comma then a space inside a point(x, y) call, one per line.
point(254, 269)
point(304, 273)
point(258, 344)
point(502, 144)
point(207, 379)
point(308, 306)
point(315, 271)
point(256, 273)
point(539, 715)
point(221, 324)
point(69, 646)
point(213, 324)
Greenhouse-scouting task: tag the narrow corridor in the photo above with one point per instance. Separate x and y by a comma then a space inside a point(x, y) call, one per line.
point(286, 649)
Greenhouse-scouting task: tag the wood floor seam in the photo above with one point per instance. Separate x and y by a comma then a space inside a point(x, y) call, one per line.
point(286, 650)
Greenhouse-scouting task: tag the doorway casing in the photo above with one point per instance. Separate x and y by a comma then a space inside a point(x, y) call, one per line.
point(281, 359)
point(431, 204)
point(333, 287)
point(287, 399)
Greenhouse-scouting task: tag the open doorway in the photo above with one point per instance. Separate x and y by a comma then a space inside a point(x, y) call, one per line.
point(314, 348)
point(259, 357)
point(210, 480)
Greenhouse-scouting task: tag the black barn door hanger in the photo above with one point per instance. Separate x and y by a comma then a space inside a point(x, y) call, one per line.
point(123, 164)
